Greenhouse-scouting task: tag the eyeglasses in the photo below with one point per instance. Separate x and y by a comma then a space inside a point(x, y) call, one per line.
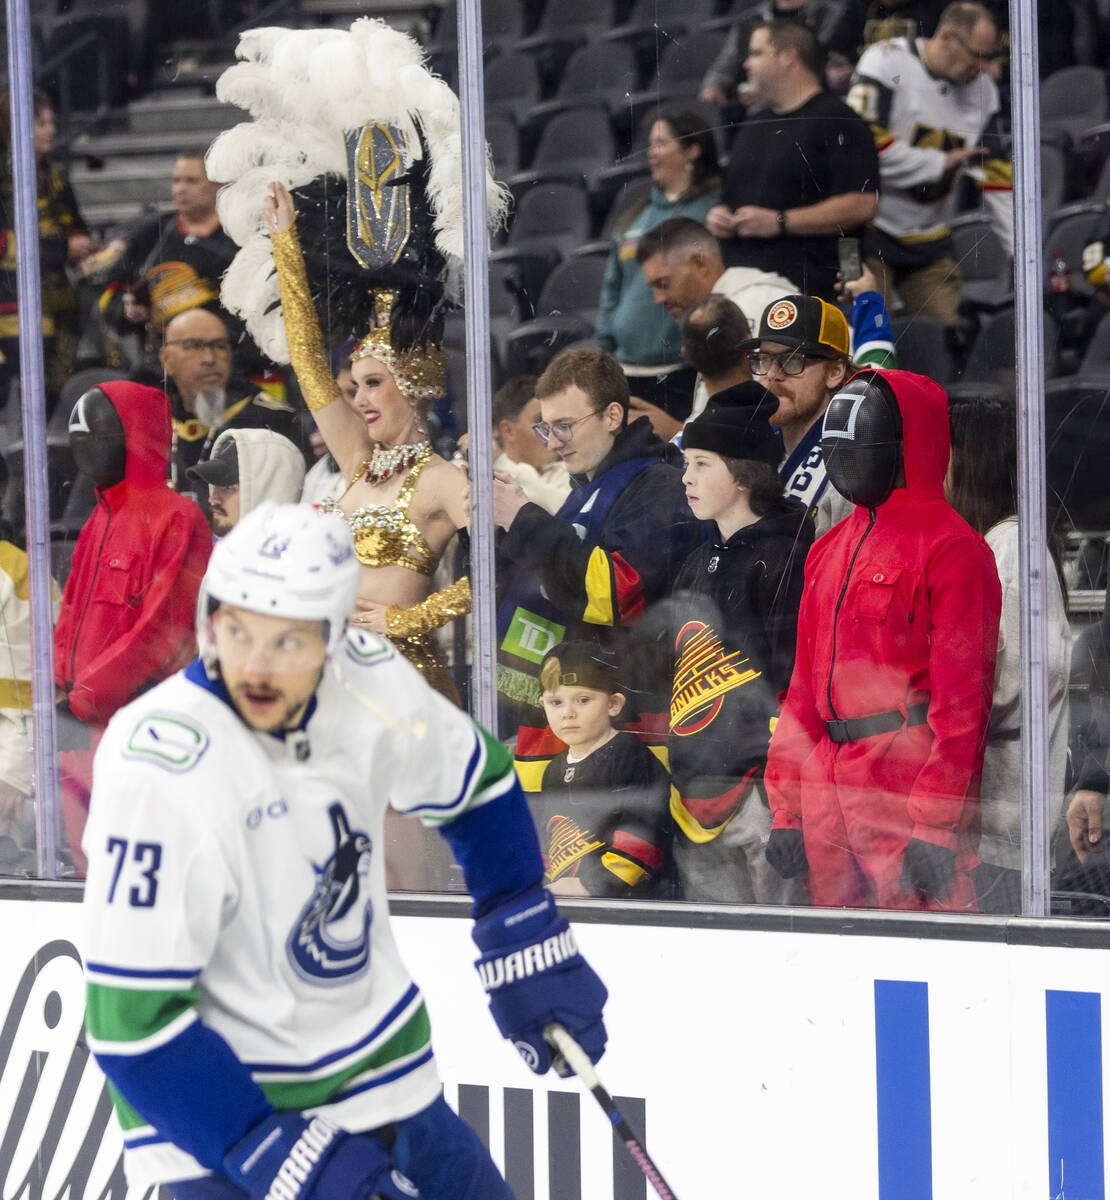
point(198, 345)
point(793, 362)
point(560, 430)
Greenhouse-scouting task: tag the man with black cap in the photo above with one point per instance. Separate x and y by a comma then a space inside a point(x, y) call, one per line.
point(128, 611)
point(736, 611)
point(248, 466)
point(874, 766)
point(802, 353)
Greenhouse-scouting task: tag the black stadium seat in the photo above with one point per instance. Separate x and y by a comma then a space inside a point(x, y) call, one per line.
point(922, 346)
point(596, 74)
point(573, 148)
point(567, 312)
point(1077, 446)
point(1072, 100)
point(987, 280)
point(1067, 230)
point(512, 86)
point(682, 65)
point(551, 222)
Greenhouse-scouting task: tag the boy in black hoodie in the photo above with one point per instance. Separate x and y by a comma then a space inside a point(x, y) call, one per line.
point(736, 613)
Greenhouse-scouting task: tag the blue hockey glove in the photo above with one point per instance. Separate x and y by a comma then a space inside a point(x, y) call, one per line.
point(292, 1157)
point(534, 975)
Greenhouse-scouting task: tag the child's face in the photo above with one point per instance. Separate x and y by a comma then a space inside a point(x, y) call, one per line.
point(580, 716)
point(711, 491)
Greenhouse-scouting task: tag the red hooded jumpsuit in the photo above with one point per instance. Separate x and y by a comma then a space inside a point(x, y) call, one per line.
point(128, 612)
point(901, 607)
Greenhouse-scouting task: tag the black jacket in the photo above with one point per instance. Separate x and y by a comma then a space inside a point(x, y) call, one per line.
point(734, 627)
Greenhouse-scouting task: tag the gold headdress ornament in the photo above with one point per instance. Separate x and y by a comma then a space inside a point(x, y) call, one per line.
point(420, 373)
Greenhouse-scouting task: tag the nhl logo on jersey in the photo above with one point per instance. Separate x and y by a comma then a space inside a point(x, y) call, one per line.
point(331, 939)
point(784, 313)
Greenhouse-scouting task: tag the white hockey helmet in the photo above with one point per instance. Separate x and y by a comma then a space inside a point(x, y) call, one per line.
point(286, 560)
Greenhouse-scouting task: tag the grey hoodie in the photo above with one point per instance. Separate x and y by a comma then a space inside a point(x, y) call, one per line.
point(270, 467)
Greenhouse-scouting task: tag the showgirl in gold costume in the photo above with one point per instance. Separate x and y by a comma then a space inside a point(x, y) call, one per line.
point(403, 503)
point(367, 139)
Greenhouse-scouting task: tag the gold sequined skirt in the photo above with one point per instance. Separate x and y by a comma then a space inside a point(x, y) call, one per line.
point(422, 652)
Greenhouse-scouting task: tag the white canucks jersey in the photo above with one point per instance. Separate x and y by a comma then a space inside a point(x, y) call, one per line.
point(237, 878)
point(916, 119)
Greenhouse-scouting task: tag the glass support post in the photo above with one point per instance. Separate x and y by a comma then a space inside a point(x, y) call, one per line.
point(33, 403)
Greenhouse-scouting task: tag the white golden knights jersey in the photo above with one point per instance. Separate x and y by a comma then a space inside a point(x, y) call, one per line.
point(237, 880)
point(916, 119)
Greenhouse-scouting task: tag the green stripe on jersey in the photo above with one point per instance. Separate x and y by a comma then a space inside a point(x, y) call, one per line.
point(414, 1035)
point(497, 767)
point(128, 1117)
point(499, 762)
point(114, 1014)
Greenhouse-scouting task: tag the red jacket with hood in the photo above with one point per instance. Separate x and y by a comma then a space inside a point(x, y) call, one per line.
point(900, 607)
point(128, 614)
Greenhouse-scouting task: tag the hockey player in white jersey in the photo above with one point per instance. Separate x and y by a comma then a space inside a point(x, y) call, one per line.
point(245, 996)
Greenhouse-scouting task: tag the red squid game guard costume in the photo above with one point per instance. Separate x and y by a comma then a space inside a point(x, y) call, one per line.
point(880, 742)
point(127, 618)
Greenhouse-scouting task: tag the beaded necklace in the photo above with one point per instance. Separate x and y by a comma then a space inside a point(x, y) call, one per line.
point(387, 461)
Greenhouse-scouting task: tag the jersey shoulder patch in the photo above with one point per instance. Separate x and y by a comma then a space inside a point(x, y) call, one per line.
point(167, 740)
point(368, 649)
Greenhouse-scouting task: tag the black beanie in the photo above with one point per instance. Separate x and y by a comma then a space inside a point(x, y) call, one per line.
point(736, 423)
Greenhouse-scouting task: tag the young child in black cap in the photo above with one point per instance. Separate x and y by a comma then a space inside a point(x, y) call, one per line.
point(735, 627)
point(602, 808)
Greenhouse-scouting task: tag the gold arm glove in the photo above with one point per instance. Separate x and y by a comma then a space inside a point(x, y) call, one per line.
point(438, 609)
point(306, 342)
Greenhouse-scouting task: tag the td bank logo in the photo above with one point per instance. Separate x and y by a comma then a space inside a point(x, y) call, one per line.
point(530, 636)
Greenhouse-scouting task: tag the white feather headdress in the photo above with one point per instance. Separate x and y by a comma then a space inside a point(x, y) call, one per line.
point(305, 91)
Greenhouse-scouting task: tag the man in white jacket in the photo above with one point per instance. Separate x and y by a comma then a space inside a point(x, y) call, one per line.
point(248, 466)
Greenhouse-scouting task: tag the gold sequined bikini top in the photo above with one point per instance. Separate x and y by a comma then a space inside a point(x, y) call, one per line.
point(384, 536)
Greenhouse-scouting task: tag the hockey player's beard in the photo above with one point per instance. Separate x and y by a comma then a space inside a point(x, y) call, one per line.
point(291, 711)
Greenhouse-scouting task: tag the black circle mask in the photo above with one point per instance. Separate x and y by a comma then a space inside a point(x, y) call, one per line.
point(97, 439)
point(861, 440)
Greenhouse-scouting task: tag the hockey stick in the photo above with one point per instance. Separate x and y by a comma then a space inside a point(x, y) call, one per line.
point(579, 1062)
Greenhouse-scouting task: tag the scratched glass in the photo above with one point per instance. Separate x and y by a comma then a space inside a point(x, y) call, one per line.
point(678, 681)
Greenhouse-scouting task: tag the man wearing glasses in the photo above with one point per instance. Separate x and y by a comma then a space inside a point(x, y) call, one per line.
point(802, 355)
point(933, 109)
point(206, 398)
point(612, 549)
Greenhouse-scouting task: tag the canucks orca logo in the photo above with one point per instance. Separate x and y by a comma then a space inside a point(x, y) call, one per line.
point(331, 941)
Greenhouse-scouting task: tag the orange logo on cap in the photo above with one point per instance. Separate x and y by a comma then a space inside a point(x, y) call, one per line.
point(784, 313)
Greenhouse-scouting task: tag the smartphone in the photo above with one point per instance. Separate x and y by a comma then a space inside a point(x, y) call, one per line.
point(851, 265)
